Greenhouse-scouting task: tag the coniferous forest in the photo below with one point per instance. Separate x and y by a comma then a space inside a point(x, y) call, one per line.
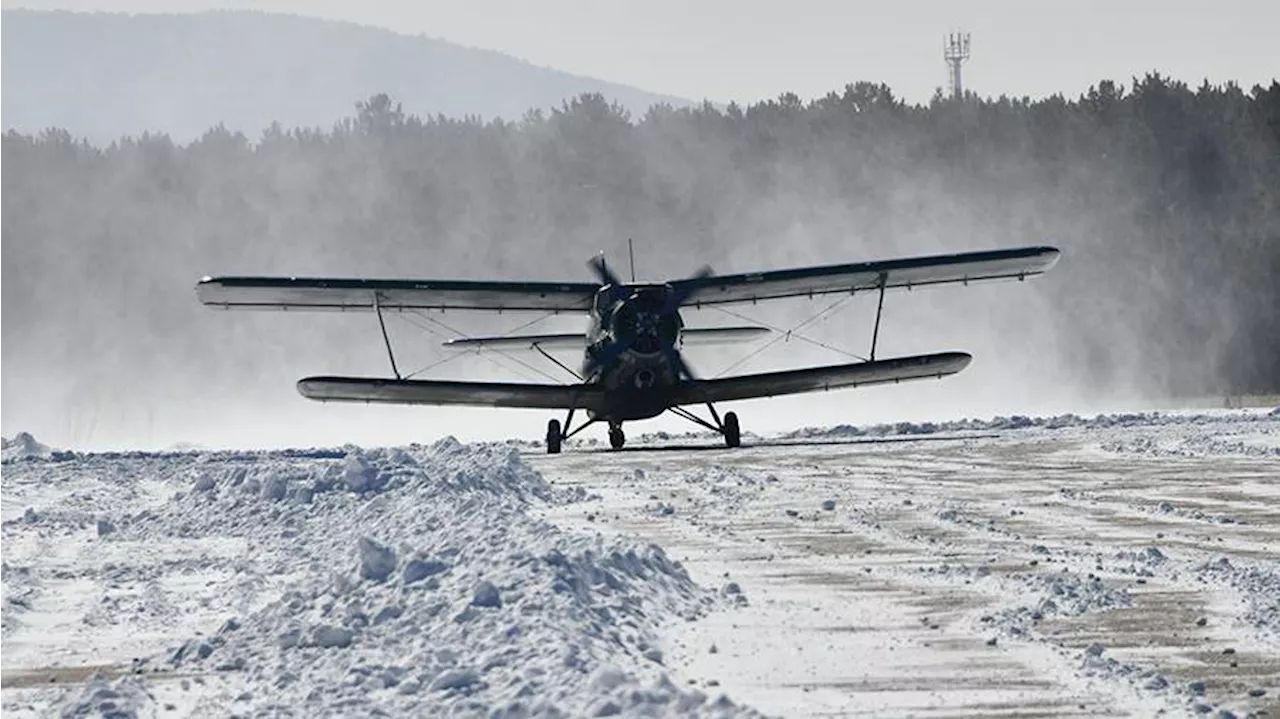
point(1165, 199)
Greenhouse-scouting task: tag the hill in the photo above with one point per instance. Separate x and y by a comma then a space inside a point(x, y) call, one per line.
point(103, 75)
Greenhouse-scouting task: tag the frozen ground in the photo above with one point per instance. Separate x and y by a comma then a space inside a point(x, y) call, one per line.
point(1055, 566)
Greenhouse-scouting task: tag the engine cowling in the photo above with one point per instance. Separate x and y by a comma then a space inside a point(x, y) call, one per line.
point(640, 323)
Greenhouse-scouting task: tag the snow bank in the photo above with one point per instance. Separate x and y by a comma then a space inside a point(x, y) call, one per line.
point(1203, 444)
point(1063, 594)
point(411, 582)
point(1019, 422)
point(23, 446)
point(18, 593)
point(1258, 585)
point(124, 698)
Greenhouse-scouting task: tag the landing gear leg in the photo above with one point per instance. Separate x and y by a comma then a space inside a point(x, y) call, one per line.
point(554, 437)
point(616, 437)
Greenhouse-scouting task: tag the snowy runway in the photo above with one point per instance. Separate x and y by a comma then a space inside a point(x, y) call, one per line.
point(1117, 565)
point(971, 576)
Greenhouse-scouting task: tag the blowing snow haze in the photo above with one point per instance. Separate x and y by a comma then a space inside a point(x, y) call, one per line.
point(1163, 197)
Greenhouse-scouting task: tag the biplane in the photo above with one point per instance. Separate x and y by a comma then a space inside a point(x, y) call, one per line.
point(632, 367)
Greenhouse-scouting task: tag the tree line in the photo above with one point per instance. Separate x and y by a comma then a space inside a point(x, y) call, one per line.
point(1165, 199)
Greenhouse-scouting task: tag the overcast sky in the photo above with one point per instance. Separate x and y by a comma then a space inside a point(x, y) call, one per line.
point(745, 51)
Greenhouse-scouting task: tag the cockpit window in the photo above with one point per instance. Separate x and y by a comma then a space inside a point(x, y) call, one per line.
point(603, 301)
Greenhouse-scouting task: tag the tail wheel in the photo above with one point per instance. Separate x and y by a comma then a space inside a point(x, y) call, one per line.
point(732, 438)
point(616, 437)
point(554, 437)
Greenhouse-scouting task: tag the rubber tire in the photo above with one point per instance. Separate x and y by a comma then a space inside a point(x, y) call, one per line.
point(617, 438)
point(553, 437)
point(732, 435)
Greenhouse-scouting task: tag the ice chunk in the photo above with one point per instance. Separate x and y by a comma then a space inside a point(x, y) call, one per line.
point(377, 562)
point(275, 488)
point(418, 569)
point(330, 636)
point(358, 475)
point(455, 679)
point(486, 595)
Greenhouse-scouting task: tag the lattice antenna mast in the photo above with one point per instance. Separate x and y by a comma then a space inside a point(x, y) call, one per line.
point(955, 51)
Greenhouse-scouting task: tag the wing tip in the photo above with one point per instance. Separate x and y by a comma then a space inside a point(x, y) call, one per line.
point(953, 361)
point(1051, 255)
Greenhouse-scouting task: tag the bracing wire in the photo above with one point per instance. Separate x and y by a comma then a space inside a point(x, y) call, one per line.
point(529, 324)
point(429, 330)
point(787, 334)
point(435, 364)
point(486, 356)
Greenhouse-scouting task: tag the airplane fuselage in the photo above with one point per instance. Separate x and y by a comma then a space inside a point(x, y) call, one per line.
point(627, 351)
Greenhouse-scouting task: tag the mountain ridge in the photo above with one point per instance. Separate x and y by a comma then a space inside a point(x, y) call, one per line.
point(104, 75)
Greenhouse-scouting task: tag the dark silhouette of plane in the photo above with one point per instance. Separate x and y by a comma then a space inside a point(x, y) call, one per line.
point(632, 366)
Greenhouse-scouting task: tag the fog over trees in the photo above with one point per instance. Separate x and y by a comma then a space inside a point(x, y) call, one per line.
point(1164, 198)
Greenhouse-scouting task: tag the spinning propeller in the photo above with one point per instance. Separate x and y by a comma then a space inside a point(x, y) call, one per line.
point(637, 323)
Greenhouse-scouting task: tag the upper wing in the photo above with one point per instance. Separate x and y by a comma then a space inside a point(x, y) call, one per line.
point(813, 379)
point(908, 272)
point(484, 394)
point(320, 293)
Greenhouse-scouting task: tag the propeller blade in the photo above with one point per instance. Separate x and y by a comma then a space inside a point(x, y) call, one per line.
point(677, 360)
point(606, 356)
point(686, 289)
point(607, 277)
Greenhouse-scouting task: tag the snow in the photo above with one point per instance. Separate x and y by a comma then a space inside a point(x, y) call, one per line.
point(1114, 564)
point(22, 446)
point(970, 567)
point(407, 581)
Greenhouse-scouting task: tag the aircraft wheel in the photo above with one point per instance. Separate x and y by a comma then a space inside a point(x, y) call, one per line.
point(616, 437)
point(553, 437)
point(732, 438)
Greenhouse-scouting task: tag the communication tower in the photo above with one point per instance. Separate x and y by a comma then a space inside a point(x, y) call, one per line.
point(955, 51)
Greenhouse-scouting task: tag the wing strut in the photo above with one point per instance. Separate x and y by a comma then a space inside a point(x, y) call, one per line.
point(875, 333)
point(377, 307)
point(563, 366)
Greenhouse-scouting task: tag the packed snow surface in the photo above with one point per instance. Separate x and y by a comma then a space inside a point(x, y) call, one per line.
point(1050, 566)
point(1066, 566)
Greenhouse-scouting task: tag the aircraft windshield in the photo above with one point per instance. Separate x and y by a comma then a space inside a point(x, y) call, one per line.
point(603, 302)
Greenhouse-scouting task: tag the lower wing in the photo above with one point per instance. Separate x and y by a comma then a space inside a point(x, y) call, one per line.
point(594, 398)
point(578, 341)
point(483, 394)
point(814, 379)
